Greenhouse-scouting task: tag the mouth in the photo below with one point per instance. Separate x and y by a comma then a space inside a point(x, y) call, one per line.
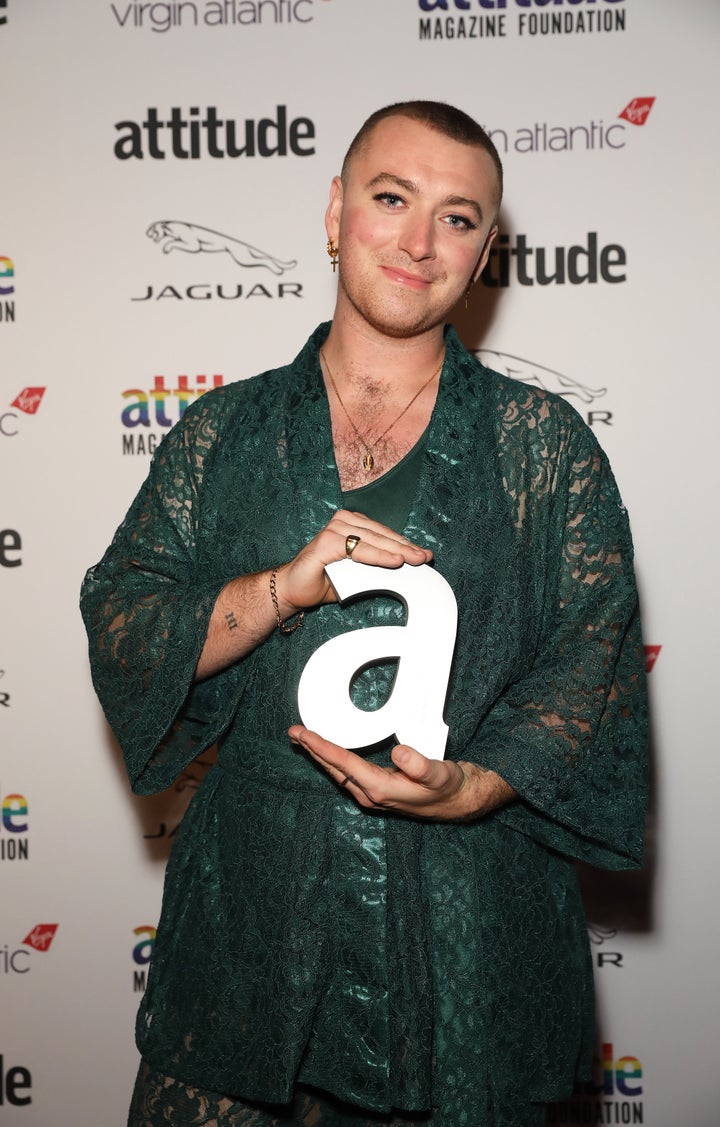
point(405, 278)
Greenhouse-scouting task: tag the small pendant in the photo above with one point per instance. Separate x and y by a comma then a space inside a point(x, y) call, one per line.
point(368, 461)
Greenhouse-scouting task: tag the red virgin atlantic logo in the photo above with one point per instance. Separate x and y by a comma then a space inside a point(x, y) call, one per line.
point(652, 653)
point(41, 937)
point(29, 400)
point(637, 111)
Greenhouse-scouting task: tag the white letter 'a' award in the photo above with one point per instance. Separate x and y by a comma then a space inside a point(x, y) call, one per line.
point(424, 648)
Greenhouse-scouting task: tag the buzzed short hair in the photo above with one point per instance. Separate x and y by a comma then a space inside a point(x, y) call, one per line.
point(441, 117)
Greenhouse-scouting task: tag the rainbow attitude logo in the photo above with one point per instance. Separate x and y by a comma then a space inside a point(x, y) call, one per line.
point(622, 1076)
point(613, 1096)
point(142, 955)
point(13, 828)
point(7, 287)
point(161, 406)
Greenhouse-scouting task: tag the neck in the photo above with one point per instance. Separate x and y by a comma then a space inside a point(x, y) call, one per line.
point(358, 353)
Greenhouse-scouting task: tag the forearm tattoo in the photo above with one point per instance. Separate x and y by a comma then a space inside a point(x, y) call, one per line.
point(231, 620)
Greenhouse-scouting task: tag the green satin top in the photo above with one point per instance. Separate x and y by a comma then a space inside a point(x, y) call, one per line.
point(389, 498)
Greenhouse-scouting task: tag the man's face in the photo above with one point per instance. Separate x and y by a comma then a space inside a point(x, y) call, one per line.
point(414, 224)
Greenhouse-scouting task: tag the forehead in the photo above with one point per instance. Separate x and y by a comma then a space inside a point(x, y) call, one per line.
point(411, 150)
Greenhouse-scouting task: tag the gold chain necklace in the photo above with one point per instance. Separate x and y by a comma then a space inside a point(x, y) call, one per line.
point(368, 461)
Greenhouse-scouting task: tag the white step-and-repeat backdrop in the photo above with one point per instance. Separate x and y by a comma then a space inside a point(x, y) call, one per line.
point(164, 173)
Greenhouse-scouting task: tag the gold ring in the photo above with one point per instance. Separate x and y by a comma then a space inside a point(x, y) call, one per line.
point(351, 543)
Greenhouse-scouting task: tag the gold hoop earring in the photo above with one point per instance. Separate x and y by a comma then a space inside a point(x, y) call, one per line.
point(333, 252)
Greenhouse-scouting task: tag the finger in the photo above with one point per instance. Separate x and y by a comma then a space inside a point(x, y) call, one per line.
point(432, 773)
point(330, 546)
point(361, 520)
point(374, 535)
point(440, 779)
point(332, 755)
point(345, 764)
point(303, 583)
point(339, 763)
point(380, 551)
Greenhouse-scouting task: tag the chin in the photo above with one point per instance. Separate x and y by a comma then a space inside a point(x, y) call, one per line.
point(410, 324)
point(400, 320)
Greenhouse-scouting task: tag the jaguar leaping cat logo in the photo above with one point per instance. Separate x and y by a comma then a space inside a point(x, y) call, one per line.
point(172, 234)
point(598, 934)
point(537, 375)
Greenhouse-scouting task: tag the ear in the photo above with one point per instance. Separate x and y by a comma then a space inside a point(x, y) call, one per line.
point(482, 261)
point(334, 209)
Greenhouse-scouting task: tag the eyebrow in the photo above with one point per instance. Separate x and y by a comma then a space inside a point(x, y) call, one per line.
point(413, 188)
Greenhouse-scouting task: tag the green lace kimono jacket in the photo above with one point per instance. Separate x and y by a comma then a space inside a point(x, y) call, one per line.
point(390, 961)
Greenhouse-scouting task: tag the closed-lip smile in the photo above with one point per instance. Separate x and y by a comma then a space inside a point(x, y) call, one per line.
point(414, 281)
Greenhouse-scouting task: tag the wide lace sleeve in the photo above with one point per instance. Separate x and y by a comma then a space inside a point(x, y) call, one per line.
point(146, 608)
point(571, 736)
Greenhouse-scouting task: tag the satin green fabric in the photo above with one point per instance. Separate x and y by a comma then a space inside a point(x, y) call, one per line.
point(389, 961)
point(389, 498)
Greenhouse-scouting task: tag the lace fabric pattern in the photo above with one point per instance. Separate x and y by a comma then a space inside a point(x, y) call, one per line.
point(392, 963)
point(159, 1099)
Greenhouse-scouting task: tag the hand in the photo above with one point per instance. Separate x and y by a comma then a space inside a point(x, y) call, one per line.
point(303, 583)
point(441, 790)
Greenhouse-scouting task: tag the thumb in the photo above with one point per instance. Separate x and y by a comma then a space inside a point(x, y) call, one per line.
point(413, 764)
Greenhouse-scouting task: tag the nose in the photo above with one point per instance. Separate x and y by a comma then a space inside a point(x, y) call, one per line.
point(417, 238)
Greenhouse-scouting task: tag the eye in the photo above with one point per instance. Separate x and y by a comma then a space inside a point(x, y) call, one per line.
point(460, 222)
point(392, 199)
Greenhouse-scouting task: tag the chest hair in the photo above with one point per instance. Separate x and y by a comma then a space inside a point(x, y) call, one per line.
point(372, 412)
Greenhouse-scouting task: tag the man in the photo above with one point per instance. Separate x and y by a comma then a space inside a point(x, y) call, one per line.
point(378, 931)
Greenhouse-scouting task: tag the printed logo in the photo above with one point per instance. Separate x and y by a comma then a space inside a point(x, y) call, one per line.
point(4, 696)
point(613, 1095)
point(554, 137)
point(578, 17)
point(13, 828)
point(142, 955)
point(519, 261)
point(41, 936)
point(195, 134)
point(28, 401)
point(10, 548)
point(637, 111)
point(598, 937)
point(7, 287)
point(549, 379)
point(190, 238)
point(172, 234)
point(19, 961)
point(160, 406)
point(15, 1081)
point(622, 1075)
point(652, 653)
point(162, 17)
